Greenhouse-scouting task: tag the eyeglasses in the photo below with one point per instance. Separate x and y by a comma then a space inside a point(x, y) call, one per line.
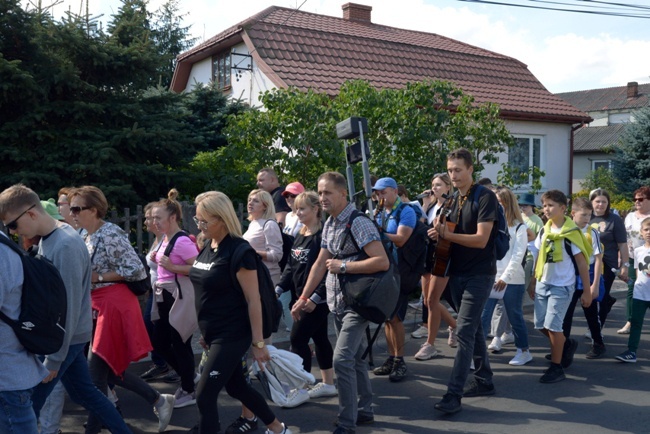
point(639, 199)
point(202, 224)
point(78, 209)
point(13, 225)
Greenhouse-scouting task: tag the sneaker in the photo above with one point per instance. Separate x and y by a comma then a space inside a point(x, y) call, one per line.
point(164, 412)
point(343, 430)
point(242, 426)
point(449, 404)
point(495, 345)
point(478, 388)
point(421, 332)
point(399, 370)
point(627, 357)
point(553, 374)
point(569, 351)
point(417, 305)
point(596, 352)
point(426, 352)
point(625, 330)
point(365, 418)
point(155, 372)
point(386, 368)
point(322, 390)
point(521, 358)
point(507, 338)
point(285, 430)
point(452, 341)
point(588, 335)
point(172, 377)
point(185, 399)
point(295, 398)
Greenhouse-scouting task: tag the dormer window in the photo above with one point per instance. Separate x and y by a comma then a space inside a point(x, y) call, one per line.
point(221, 70)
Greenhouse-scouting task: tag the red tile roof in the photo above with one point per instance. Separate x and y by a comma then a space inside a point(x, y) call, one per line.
point(311, 51)
point(611, 98)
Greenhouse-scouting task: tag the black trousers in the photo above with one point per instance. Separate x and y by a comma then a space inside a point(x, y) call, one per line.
point(591, 315)
point(312, 325)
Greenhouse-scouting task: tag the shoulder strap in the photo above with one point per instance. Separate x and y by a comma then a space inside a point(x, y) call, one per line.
point(398, 211)
point(172, 242)
point(348, 232)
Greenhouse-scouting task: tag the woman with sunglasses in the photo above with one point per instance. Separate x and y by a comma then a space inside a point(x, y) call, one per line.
point(116, 309)
point(634, 239)
point(614, 238)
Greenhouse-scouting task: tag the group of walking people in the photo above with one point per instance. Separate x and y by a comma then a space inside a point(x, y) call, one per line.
point(209, 283)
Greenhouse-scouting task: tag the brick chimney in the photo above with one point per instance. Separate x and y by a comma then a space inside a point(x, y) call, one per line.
point(356, 12)
point(632, 89)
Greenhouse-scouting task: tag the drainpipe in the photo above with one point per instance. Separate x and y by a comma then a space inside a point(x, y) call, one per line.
point(573, 130)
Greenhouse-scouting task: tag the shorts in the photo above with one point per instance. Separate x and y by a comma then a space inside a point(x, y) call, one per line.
point(551, 304)
point(400, 308)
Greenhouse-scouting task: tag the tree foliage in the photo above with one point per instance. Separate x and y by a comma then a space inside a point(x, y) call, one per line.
point(631, 163)
point(411, 130)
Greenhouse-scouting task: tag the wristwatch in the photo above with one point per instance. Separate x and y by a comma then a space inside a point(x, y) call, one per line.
point(259, 344)
point(343, 268)
point(100, 278)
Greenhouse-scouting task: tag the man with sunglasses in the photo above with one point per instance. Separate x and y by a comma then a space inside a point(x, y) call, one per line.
point(62, 245)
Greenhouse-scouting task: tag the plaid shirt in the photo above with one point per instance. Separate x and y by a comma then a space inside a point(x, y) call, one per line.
point(363, 231)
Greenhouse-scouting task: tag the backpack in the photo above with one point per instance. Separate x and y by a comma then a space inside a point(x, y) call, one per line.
point(40, 327)
point(287, 243)
point(271, 306)
point(502, 238)
point(411, 257)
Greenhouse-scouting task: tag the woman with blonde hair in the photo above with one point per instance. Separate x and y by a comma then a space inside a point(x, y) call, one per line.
point(229, 312)
point(511, 277)
point(263, 233)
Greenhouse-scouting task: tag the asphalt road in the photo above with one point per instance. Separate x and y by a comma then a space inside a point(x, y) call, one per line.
point(598, 396)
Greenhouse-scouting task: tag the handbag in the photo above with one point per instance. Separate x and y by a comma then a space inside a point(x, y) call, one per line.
point(373, 296)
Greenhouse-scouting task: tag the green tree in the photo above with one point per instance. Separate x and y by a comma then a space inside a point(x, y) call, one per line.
point(631, 163)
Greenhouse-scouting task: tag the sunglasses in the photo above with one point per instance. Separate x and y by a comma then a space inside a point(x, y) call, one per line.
point(78, 209)
point(639, 199)
point(292, 196)
point(13, 225)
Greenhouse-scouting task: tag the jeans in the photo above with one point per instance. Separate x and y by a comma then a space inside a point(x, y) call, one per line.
point(285, 299)
point(75, 376)
point(50, 417)
point(355, 391)
point(512, 301)
point(470, 294)
point(16, 413)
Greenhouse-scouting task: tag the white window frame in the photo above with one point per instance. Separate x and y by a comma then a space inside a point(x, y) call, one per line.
point(597, 162)
point(532, 140)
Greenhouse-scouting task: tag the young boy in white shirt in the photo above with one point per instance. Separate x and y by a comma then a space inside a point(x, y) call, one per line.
point(641, 296)
point(554, 278)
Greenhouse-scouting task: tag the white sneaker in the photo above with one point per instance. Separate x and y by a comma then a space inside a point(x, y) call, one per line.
point(285, 430)
point(421, 332)
point(426, 352)
point(296, 397)
point(452, 340)
point(507, 338)
point(184, 399)
point(521, 358)
point(322, 390)
point(164, 412)
point(495, 346)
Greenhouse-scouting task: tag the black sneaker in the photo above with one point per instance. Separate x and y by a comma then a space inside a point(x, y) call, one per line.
point(568, 353)
point(343, 430)
point(242, 425)
point(548, 356)
point(596, 352)
point(553, 374)
point(399, 370)
point(386, 368)
point(365, 418)
point(155, 372)
point(172, 377)
point(449, 404)
point(478, 388)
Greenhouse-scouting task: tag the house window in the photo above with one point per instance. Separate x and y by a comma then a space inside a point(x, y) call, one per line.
point(597, 164)
point(221, 70)
point(526, 152)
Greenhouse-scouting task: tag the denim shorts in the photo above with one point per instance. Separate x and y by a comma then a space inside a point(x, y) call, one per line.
point(551, 303)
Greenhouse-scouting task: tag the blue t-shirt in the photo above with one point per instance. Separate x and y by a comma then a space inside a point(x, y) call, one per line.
point(406, 218)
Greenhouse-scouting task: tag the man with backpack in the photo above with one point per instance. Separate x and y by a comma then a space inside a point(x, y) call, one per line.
point(63, 246)
point(397, 220)
point(472, 271)
point(355, 391)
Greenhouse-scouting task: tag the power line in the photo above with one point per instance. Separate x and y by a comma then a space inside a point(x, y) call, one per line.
point(601, 8)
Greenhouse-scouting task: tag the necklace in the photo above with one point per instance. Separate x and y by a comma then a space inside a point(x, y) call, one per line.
point(463, 198)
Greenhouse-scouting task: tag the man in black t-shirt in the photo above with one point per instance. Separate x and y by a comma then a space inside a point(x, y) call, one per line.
point(267, 180)
point(472, 272)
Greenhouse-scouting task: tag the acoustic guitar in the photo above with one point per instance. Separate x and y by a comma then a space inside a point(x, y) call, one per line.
point(443, 247)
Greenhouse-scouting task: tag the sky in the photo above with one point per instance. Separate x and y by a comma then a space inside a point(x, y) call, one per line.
point(565, 51)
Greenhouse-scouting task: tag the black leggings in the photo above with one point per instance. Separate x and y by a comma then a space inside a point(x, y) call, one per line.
point(608, 300)
point(169, 344)
point(224, 368)
point(591, 315)
point(313, 325)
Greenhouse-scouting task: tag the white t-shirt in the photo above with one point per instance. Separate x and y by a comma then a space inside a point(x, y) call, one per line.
point(292, 224)
point(558, 273)
point(633, 229)
point(642, 265)
point(596, 247)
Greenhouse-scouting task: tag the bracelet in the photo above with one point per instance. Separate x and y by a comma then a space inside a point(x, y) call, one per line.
point(303, 298)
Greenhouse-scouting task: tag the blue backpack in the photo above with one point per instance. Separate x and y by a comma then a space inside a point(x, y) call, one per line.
point(502, 238)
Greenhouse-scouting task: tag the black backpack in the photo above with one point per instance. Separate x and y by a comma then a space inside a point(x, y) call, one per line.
point(502, 238)
point(411, 257)
point(40, 327)
point(271, 306)
point(287, 243)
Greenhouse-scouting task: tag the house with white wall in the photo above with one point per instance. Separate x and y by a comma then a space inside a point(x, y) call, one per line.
point(282, 47)
point(611, 108)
